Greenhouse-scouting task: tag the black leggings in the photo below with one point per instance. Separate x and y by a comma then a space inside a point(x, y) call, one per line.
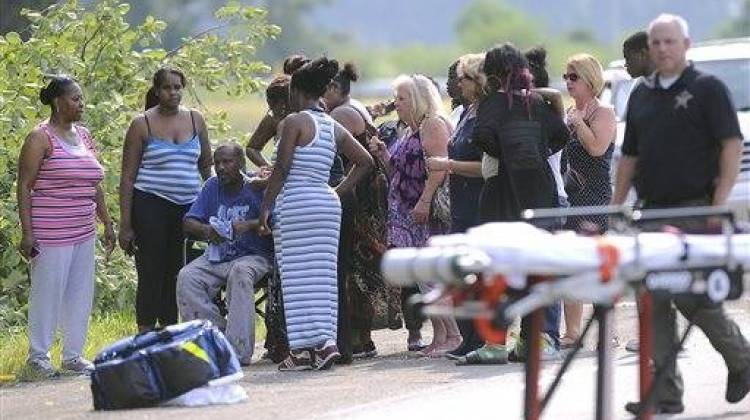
point(158, 231)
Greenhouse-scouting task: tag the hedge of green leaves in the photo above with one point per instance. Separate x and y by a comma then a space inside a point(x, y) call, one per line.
point(113, 62)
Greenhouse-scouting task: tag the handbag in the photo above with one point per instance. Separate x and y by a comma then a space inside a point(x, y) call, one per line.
point(440, 208)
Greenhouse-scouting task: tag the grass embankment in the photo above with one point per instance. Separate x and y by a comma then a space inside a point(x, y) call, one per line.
point(103, 331)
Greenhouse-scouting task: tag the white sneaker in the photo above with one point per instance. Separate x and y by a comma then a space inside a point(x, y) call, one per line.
point(78, 365)
point(41, 369)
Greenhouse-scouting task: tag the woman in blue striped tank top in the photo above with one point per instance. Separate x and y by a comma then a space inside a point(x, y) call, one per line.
point(166, 156)
point(307, 217)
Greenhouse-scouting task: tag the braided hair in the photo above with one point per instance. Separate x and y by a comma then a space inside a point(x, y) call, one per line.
point(508, 69)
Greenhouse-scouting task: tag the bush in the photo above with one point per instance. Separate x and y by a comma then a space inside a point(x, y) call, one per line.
point(113, 62)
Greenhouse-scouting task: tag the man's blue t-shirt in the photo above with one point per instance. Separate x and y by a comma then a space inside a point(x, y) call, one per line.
point(213, 201)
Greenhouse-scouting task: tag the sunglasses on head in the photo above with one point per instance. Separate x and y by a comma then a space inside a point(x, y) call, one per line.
point(571, 76)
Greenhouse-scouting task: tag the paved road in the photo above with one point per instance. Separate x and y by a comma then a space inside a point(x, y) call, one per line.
point(397, 385)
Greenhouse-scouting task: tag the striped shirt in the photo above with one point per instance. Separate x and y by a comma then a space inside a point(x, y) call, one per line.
point(63, 207)
point(170, 170)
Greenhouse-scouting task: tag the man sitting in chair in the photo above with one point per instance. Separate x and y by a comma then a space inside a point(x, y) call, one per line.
point(225, 215)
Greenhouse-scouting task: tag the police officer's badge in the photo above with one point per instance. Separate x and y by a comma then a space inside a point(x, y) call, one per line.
point(682, 99)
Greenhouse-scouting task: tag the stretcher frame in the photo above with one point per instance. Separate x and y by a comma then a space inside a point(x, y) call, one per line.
point(541, 289)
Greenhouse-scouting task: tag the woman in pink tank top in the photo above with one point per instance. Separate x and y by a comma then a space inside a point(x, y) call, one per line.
point(59, 197)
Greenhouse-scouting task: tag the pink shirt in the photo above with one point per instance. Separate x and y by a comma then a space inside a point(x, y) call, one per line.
point(63, 207)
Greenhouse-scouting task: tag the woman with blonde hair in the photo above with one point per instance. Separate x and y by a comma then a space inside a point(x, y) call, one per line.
point(412, 188)
point(588, 156)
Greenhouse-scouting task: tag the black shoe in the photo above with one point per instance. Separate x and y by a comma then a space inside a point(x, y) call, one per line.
point(659, 408)
point(462, 350)
point(458, 352)
point(738, 385)
point(364, 352)
point(395, 322)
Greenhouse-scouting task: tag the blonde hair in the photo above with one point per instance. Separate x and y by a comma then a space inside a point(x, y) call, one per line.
point(472, 66)
point(424, 98)
point(589, 69)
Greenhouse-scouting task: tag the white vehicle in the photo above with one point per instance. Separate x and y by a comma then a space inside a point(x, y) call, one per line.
point(727, 59)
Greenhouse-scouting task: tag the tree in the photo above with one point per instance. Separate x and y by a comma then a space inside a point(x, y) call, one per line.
point(11, 19)
point(484, 23)
point(297, 36)
point(113, 62)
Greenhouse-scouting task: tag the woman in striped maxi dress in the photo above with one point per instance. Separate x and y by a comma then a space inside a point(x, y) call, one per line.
point(307, 217)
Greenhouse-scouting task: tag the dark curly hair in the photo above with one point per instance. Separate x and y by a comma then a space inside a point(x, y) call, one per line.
point(56, 87)
point(508, 69)
point(537, 58)
point(278, 90)
point(345, 77)
point(314, 77)
point(635, 42)
point(294, 62)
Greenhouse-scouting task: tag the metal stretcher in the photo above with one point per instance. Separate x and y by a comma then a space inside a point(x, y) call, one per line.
point(500, 271)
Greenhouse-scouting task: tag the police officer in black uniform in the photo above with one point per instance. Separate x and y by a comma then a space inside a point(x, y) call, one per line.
point(682, 148)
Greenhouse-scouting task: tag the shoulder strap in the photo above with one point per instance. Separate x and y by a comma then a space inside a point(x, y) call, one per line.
point(45, 127)
point(85, 137)
point(148, 125)
point(192, 119)
point(370, 130)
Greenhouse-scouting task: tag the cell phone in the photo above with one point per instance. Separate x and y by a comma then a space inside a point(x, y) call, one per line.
point(390, 107)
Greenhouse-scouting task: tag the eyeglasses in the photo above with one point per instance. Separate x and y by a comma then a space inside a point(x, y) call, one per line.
point(571, 76)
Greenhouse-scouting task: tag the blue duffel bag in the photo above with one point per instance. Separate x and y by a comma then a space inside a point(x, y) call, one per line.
point(149, 368)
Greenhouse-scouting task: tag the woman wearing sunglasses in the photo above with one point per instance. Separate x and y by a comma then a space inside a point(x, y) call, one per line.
point(588, 156)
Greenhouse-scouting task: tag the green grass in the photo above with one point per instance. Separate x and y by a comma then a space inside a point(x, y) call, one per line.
point(103, 331)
